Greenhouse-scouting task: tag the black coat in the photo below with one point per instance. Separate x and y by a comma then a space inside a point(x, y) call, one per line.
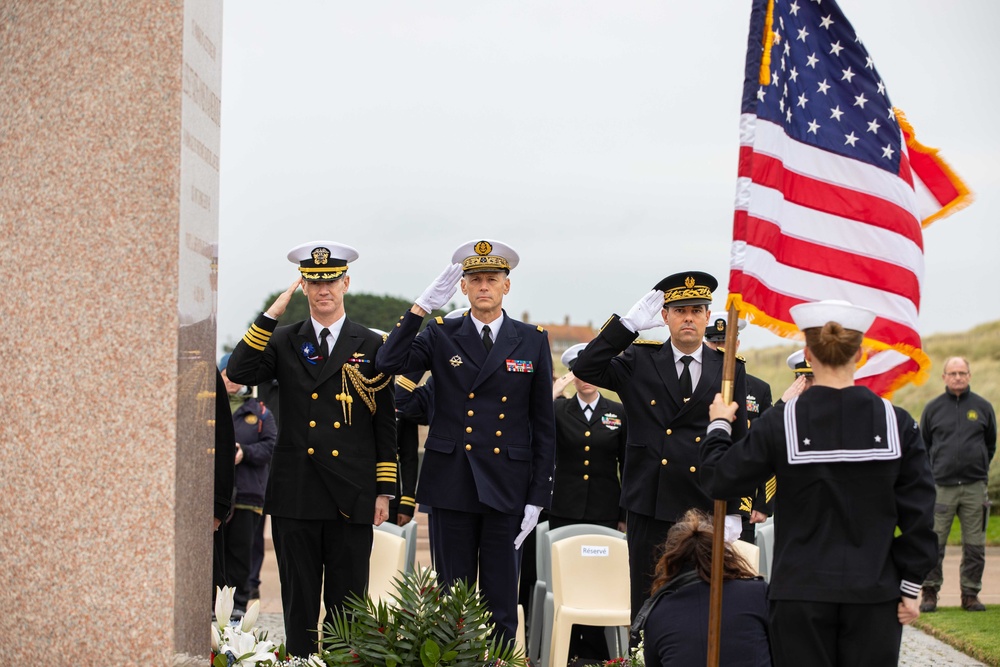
point(589, 458)
point(852, 469)
point(758, 402)
point(332, 457)
point(492, 437)
point(256, 432)
point(407, 443)
point(660, 479)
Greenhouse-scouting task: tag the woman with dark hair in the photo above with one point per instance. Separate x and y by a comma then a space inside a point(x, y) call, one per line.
point(851, 469)
point(676, 623)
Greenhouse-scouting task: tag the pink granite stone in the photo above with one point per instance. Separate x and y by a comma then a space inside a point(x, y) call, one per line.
point(109, 218)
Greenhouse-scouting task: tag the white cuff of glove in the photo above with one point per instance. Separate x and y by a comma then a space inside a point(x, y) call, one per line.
point(734, 527)
point(528, 523)
point(646, 313)
point(439, 292)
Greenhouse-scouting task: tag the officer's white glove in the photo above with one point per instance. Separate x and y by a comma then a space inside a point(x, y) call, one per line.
point(734, 527)
point(646, 313)
point(441, 290)
point(528, 523)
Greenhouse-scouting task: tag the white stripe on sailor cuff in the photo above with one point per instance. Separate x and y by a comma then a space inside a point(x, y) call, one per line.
point(909, 589)
point(722, 424)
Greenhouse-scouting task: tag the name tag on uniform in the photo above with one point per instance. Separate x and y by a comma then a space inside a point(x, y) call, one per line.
point(519, 366)
point(594, 552)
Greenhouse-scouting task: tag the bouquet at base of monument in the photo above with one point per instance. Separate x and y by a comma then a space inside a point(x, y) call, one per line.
point(423, 626)
point(635, 658)
point(240, 644)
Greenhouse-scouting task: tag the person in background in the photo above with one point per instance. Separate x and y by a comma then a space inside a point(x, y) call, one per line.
point(255, 433)
point(225, 473)
point(673, 620)
point(960, 431)
point(803, 376)
point(851, 469)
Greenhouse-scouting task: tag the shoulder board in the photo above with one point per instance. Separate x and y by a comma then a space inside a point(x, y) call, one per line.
point(439, 319)
point(541, 329)
point(740, 357)
point(642, 341)
point(385, 337)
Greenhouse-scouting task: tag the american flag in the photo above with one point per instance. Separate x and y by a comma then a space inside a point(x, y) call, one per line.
point(831, 192)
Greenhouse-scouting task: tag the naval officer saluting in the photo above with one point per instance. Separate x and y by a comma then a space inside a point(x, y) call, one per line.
point(488, 458)
point(334, 464)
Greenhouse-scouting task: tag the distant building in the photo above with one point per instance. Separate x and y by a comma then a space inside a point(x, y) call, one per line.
point(562, 336)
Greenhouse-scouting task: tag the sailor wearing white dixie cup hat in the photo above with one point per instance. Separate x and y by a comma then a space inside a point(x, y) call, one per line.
point(488, 458)
point(334, 464)
point(852, 470)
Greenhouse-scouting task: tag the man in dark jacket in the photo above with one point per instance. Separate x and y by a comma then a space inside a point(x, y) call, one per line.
point(960, 432)
point(334, 465)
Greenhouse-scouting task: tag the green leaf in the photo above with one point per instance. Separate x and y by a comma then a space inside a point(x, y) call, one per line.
point(220, 660)
point(389, 662)
point(430, 653)
point(449, 656)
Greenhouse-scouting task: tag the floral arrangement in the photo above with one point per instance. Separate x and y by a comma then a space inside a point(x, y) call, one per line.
point(635, 658)
point(424, 626)
point(240, 644)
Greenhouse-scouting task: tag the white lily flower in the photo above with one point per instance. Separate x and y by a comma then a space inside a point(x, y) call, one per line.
point(250, 618)
point(316, 661)
point(246, 645)
point(215, 639)
point(223, 605)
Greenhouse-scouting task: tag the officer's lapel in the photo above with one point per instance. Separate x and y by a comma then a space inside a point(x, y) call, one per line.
point(663, 360)
point(505, 343)
point(711, 378)
point(472, 345)
point(576, 412)
point(306, 336)
point(347, 343)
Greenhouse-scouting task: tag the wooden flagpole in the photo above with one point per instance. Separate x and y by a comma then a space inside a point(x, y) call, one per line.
point(719, 519)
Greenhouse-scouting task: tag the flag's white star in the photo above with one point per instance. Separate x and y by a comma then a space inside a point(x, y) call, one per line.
point(860, 100)
point(774, 78)
point(802, 100)
point(788, 115)
point(836, 112)
point(782, 63)
point(823, 87)
point(826, 21)
point(793, 74)
point(803, 33)
point(868, 63)
point(836, 48)
point(873, 126)
point(811, 60)
point(850, 139)
point(881, 88)
point(788, 48)
point(785, 94)
point(878, 438)
point(794, 8)
point(848, 75)
point(781, 22)
point(760, 93)
point(892, 114)
point(781, 104)
point(887, 151)
point(814, 126)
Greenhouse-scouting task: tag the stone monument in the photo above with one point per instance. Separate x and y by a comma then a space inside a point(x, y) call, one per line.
point(109, 174)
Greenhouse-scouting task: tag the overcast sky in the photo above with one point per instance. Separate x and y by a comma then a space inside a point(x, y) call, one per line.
point(599, 139)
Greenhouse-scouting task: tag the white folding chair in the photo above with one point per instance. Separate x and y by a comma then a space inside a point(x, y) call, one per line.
point(765, 540)
point(387, 563)
point(408, 533)
point(590, 586)
point(537, 601)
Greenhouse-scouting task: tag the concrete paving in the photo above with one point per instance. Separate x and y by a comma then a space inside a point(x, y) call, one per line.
point(918, 648)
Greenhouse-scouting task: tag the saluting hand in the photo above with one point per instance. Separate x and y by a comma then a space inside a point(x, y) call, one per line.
point(719, 410)
point(277, 309)
point(796, 388)
point(647, 313)
point(439, 292)
point(560, 384)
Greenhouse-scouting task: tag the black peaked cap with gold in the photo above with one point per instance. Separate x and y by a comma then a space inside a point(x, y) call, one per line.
point(322, 260)
point(688, 288)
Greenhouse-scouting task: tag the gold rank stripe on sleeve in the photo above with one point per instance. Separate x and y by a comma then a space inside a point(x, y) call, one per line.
point(406, 383)
point(256, 337)
point(407, 500)
point(746, 504)
point(385, 472)
point(770, 487)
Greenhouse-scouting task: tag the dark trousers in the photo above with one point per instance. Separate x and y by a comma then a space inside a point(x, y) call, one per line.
point(829, 634)
point(239, 550)
point(257, 556)
point(469, 542)
point(218, 561)
point(306, 550)
point(645, 536)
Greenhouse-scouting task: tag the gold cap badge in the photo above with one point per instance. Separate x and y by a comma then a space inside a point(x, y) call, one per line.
point(483, 248)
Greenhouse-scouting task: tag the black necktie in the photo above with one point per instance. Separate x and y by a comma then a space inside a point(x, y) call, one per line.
point(487, 338)
point(322, 343)
point(686, 377)
point(587, 412)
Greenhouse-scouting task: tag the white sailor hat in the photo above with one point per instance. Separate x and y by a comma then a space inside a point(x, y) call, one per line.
point(485, 255)
point(716, 330)
point(458, 312)
point(568, 357)
point(818, 313)
point(797, 362)
point(322, 260)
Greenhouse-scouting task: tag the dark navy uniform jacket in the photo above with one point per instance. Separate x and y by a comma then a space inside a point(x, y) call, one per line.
point(661, 477)
point(759, 401)
point(492, 437)
point(851, 468)
point(407, 443)
point(589, 457)
point(332, 457)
